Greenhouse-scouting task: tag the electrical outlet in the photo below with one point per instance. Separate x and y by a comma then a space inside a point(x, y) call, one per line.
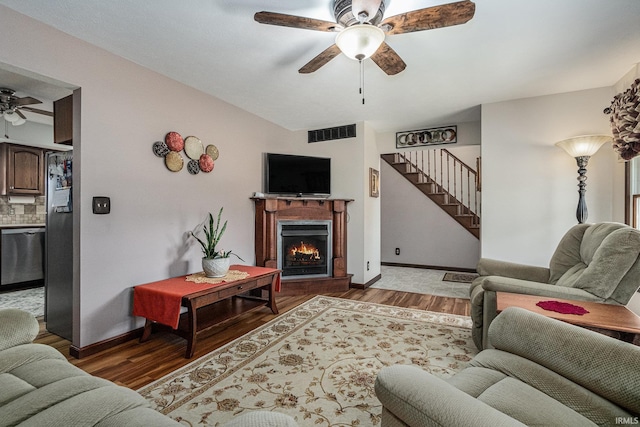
point(397, 251)
point(367, 265)
point(101, 205)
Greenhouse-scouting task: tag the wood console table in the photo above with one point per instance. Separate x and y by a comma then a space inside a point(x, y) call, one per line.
point(207, 304)
point(601, 316)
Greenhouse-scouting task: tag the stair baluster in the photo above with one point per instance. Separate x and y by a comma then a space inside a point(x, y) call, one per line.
point(437, 178)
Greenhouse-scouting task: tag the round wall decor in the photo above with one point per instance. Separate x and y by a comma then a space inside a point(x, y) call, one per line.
point(174, 141)
point(174, 161)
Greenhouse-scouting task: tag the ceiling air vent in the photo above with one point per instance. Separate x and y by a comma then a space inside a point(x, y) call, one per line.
point(339, 132)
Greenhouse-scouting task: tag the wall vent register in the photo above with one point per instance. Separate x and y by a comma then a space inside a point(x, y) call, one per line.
point(329, 134)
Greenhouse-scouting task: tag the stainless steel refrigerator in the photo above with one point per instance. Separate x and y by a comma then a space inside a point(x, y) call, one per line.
point(58, 273)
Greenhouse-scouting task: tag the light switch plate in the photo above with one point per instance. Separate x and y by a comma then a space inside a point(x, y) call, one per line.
point(101, 205)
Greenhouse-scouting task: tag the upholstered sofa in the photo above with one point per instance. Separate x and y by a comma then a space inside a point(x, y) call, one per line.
point(39, 387)
point(541, 372)
point(593, 262)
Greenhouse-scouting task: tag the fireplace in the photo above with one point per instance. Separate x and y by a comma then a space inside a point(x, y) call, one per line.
point(326, 224)
point(304, 248)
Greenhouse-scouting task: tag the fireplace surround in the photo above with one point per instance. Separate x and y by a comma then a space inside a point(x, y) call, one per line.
point(325, 220)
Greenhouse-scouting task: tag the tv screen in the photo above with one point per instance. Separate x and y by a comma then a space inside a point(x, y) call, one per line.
point(287, 174)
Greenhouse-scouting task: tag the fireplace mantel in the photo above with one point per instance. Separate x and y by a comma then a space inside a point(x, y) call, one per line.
point(271, 210)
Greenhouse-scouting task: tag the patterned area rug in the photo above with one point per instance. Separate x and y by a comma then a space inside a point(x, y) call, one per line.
point(31, 300)
point(316, 363)
point(420, 281)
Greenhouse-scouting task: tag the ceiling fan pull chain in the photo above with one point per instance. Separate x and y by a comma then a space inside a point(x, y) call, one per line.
point(362, 80)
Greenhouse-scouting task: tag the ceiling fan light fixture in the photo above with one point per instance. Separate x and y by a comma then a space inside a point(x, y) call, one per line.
point(11, 117)
point(19, 122)
point(360, 41)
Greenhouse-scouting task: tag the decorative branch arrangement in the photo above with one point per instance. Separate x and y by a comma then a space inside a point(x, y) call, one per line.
point(625, 122)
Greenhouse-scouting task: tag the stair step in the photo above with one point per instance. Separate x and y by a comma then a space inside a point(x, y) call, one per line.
point(437, 194)
point(430, 188)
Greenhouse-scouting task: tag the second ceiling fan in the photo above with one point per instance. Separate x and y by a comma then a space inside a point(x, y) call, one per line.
point(361, 29)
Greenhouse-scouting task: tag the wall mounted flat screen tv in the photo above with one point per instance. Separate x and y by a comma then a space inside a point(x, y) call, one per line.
point(292, 175)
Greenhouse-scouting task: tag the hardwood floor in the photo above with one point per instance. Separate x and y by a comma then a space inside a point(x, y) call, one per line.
point(134, 364)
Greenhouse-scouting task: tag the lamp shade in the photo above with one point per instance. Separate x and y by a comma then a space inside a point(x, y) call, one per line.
point(360, 41)
point(586, 145)
point(10, 116)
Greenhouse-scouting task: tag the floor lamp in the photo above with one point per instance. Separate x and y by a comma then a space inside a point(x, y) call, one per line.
point(582, 148)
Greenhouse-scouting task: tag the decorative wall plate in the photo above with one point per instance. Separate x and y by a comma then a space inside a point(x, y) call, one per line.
point(206, 163)
point(213, 152)
point(174, 141)
point(193, 147)
point(174, 161)
point(160, 148)
point(193, 167)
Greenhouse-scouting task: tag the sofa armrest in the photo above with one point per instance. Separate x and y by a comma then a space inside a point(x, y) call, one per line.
point(492, 267)
point(526, 287)
point(421, 399)
point(17, 327)
point(597, 362)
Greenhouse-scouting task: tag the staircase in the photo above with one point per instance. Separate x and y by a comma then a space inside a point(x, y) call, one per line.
point(446, 180)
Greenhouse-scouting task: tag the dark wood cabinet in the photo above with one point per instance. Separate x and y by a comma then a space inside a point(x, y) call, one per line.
point(63, 121)
point(21, 170)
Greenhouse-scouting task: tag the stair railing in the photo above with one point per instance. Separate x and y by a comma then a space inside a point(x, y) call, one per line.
point(441, 167)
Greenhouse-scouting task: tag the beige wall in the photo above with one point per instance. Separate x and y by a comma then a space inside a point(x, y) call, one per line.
point(529, 195)
point(124, 109)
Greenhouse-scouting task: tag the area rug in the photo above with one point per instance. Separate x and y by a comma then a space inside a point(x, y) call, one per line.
point(419, 281)
point(317, 363)
point(31, 300)
point(459, 277)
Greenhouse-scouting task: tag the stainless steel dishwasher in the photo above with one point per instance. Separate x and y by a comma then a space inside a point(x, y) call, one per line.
point(22, 258)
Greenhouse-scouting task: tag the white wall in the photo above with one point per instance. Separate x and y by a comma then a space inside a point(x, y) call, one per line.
point(351, 159)
point(124, 109)
point(529, 195)
point(371, 216)
point(425, 234)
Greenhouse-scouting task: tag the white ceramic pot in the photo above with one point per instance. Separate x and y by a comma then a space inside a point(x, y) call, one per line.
point(216, 267)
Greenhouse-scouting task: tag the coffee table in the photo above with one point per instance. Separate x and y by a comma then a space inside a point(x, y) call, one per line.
point(601, 316)
point(206, 305)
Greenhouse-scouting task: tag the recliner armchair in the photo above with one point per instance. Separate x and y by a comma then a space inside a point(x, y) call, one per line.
point(593, 262)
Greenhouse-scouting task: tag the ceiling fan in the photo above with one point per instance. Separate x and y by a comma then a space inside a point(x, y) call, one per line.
point(361, 29)
point(10, 106)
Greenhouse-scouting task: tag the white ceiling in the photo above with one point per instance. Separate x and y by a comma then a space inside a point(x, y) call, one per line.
point(511, 49)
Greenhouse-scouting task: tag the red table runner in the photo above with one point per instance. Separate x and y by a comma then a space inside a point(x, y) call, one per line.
point(161, 301)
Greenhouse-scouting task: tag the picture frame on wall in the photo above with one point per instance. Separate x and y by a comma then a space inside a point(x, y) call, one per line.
point(427, 137)
point(374, 183)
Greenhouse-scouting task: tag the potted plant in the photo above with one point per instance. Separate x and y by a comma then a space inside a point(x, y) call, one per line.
point(215, 262)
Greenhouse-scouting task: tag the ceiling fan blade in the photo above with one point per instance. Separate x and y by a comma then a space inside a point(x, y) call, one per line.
point(388, 60)
point(283, 20)
point(370, 7)
point(327, 55)
point(38, 111)
point(27, 100)
point(445, 15)
point(22, 116)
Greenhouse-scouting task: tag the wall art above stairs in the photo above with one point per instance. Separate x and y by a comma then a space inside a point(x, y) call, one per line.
point(446, 180)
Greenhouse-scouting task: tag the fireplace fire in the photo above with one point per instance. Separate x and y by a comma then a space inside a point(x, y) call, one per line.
point(305, 252)
point(304, 248)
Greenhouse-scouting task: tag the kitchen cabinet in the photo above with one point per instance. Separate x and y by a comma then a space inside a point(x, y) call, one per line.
point(63, 121)
point(21, 170)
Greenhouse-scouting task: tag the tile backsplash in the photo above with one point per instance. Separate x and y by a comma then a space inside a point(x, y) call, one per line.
point(16, 213)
